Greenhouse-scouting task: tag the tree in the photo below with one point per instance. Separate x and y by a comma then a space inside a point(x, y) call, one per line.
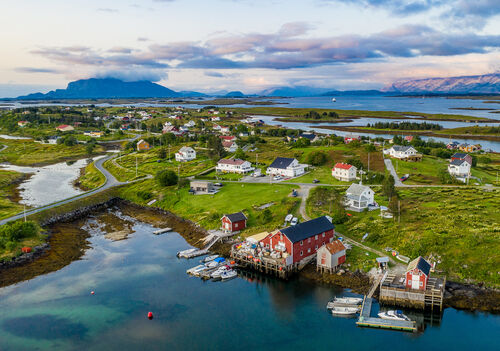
point(166, 177)
point(388, 188)
point(370, 148)
point(267, 216)
point(316, 158)
point(240, 154)
point(394, 204)
point(162, 154)
point(216, 150)
point(356, 162)
point(89, 148)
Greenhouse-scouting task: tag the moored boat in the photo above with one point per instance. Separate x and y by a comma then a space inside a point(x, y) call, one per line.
point(228, 275)
point(345, 310)
point(209, 258)
point(196, 270)
point(396, 315)
point(348, 300)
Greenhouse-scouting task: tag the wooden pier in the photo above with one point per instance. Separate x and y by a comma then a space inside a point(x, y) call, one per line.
point(393, 292)
point(366, 320)
point(276, 267)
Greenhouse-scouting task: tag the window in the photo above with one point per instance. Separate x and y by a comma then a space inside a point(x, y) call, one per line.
point(301, 243)
point(323, 235)
point(316, 247)
point(236, 225)
point(309, 240)
point(309, 250)
point(315, 237)
point(421, 284)
point(301, 253)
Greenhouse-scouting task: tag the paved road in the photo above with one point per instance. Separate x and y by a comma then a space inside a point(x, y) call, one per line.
point(109, 183)
point(390, 168)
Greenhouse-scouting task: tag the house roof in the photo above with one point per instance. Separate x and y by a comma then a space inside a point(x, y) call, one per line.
point(309, 136)
point(227, 137)
point(142, 141)
point(459, 155)
point(228, 161)
point(357, 189)
point(335, 246)
point(343, 165)
point(401, 148)
point(186, 149)
point(307, 229)
point(236, 217)
point(457, 162)
point(62, 126)
point(421, 264)
point(227, 143)
point(281, 162)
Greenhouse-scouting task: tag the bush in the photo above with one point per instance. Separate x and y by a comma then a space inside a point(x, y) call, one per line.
point(267, 216)
point(356, 162)
point(166, 177)
point(316, 158)
point(16, 231)
point(144, 195)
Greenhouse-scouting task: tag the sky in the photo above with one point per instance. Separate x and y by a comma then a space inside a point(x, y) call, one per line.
point(246, 45)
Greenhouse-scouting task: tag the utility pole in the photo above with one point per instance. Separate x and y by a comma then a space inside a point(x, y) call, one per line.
point(169, 152)
point(24, 212)
point(368, 161)
point(136, 164)
point(399, 211)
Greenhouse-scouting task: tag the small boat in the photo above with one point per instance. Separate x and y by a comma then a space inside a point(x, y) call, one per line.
point(348, 300)
point(228, 275)
point(196, 270)
point(212, 264)
point(209, 258)
point(185, 252)
point(334, 100)
point(345, 310)
point(394, 315)
point(218, 272)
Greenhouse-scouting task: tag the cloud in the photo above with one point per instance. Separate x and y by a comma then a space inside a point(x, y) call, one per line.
point(152, 75)
point(401, 7)
point(142, 39)
point(120, 50)
point(36, 70)
point(214, 74)
point(108, 10)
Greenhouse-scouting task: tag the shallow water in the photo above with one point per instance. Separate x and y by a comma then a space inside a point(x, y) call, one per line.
point(48, 184)
point(131, 277)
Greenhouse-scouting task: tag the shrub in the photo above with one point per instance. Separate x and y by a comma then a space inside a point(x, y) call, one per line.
point(166, 177)
point(144, 195)
point(316, 158)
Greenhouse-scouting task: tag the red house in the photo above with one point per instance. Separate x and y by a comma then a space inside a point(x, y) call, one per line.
point(227, 137)
point(234, 222)
point(462, 157)
point(417, 274)
point(302, 240)
point(350, 138)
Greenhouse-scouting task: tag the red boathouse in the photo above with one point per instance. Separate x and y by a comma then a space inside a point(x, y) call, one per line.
point(417, 274)
point(234, 222)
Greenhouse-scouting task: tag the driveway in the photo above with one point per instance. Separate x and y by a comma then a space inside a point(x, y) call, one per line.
point(390, 168)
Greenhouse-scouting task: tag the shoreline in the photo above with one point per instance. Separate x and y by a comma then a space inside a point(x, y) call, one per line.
point(410, 132)
point(68, 245)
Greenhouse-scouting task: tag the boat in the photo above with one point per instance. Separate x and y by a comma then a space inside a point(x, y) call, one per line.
point(196, 270)
point(348, 300)
point(396, 315)
point(218, 272)
point(212, 264)
point(185, 252)
point(228, 275)
point(334, 100)
point(345, 310)
point(209, 258)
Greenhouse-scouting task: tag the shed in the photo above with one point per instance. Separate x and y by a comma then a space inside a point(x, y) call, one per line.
point(330, 256)
point(234, 222)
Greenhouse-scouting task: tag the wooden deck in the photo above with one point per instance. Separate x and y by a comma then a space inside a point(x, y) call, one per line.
point(264, 265)
point(365, 320)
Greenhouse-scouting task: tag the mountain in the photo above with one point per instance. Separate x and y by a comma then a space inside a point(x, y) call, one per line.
point(483, 84)
point(294, 91)
point(234, 94)
point(108, 88)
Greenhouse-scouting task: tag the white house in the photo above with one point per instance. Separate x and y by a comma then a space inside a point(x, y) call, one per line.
point(189, 124)
point(185, 154)
point(224, 130)
point(286, 167)
point(215, 119)
point(459, 168)
point(401, 152)
point(216, 127)
point(234, 166)
point(230, 146)
point(359, 196)
point(344, 172)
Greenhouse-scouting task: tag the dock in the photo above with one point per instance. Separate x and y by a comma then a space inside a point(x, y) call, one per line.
point(366, 320)
point(161, 231)
point(192, 254)
point(266, 265)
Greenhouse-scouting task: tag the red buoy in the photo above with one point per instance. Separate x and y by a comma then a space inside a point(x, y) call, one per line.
point(92, 292)
point(150, 315)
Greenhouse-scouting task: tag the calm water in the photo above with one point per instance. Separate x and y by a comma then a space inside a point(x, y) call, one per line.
point(131, 277)
point(48, 184)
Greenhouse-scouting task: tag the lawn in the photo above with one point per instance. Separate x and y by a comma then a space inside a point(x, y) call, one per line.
point(423, 172)
point(120, 173)
point(459, 225)
point(7, 206)
point(29, 152)
point(91, 178)
point(207, 210)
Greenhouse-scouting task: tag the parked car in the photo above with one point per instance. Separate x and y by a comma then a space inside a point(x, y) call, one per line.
point(278, 177)
point(403, 178)
point(315, 181)
point(288, 218)
point(218, 184)
point(294, 221)
point(294, 193)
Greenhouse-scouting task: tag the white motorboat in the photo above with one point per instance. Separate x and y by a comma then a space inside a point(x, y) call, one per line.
point(196, 270)
point(212, 264)
point(209, 258)
point(218, 272)
point(348, 300)
point(394, 315)
point(345, 310)
point(334, 100)
point(228, 275)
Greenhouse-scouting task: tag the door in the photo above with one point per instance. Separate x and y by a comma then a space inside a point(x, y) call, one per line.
point(415, 282)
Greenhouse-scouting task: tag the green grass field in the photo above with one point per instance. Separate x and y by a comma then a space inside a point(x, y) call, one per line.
point(207, 210)
point(460, 225)
point(91, 178)
point(7, 206)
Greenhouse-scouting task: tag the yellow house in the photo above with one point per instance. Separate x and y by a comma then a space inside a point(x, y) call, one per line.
point(143, 145)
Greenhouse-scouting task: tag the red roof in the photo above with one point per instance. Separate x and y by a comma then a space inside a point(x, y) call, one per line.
point(342, 165)
point(62, 126)
point(227, 143)
point(335, 246)
point(227, 137)
point(232, 161)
